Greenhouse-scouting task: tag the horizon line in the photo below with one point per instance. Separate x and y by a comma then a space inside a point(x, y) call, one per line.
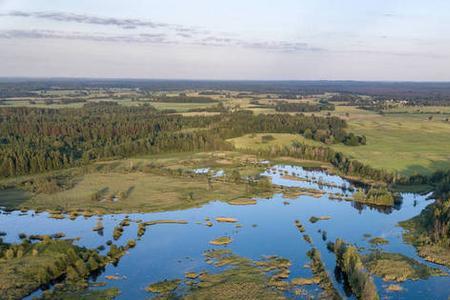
point(50, 78)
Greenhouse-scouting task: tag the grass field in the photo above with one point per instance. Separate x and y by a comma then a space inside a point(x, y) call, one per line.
point(145, 192)
point(444, 110)
point(400, 142)
point(254, 142)
point(404, 142)
point(40, 104)
point(179, 107)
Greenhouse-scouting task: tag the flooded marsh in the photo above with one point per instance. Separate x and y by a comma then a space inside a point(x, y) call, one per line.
point(170, 253)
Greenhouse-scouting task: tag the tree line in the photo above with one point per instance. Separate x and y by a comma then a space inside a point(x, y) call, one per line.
point(303, 106)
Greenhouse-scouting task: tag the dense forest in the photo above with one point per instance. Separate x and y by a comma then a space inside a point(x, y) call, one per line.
point(330, 130)
point(33, 140)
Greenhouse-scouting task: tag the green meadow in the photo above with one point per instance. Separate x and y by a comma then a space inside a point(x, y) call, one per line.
point(401, 142)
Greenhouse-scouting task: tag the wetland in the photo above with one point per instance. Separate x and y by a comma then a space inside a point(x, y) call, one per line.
point(257, 248)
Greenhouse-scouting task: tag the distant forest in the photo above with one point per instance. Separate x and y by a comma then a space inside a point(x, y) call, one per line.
point(432, 91)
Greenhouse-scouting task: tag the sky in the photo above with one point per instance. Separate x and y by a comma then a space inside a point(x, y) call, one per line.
point(389, 40)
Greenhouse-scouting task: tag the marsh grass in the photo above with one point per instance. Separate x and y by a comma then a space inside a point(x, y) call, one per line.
point(145, 184)
point(75, 293)
point(397, 267)
point(221, 241)
point(319, 271)
point(150, 193)
point(164, 287)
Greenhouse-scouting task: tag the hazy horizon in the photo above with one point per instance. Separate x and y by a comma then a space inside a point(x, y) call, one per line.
point(205, 40)
point(79, 78)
